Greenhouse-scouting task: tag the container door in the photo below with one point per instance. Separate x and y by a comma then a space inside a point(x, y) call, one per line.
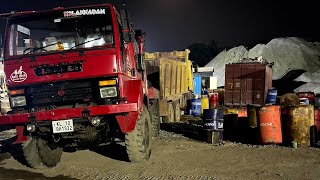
point(237, 84)
point(228, 95)
point(243, 87)
point(249, 84)
point(259, 84)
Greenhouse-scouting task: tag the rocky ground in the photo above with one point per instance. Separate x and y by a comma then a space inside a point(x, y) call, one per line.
point(177, 157)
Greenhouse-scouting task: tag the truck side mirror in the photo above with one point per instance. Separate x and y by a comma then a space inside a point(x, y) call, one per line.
point(127, 34)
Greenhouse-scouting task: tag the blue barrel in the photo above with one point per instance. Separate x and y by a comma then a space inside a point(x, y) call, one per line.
point(272, 96)
point(213, 119)
point(195, 107)
point(304, 101)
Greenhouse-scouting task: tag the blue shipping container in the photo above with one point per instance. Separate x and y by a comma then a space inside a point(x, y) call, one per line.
point(197, 81)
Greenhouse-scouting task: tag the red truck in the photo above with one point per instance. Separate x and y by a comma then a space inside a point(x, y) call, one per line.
point(76, 79)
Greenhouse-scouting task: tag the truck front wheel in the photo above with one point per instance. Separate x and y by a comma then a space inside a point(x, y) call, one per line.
point(138, 142)
point(50, 154)
point(155, 118)
point(25, 153)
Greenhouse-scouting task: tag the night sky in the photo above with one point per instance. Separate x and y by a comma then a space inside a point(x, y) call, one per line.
point(176, 24)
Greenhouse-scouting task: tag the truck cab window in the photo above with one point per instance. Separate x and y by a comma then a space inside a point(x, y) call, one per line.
point(58, 31)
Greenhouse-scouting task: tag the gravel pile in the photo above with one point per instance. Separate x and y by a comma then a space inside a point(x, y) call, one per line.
point(225, 57)
point(286, 53)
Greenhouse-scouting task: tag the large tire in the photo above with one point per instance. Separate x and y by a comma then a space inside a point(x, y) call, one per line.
point(25, 153)
point(155, 118)
point(170, 117)
point(50, 154)
point(138, 142)
point(177, 112)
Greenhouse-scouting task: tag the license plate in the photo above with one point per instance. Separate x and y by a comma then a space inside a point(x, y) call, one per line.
point(62, 126)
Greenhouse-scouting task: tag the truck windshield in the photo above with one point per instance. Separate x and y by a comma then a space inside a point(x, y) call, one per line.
point(60, 30)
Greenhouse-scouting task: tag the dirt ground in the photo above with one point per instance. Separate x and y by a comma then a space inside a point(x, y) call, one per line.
point(177, 157)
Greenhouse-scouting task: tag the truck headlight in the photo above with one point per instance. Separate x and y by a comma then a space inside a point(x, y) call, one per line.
point(18, 101)
point(107, 92)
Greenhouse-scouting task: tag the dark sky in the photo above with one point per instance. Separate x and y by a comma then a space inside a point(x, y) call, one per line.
point(175, 24)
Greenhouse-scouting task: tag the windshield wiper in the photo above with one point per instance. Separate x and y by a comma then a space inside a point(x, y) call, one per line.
point(43, 48)
point(83, 43)
point(39, 48)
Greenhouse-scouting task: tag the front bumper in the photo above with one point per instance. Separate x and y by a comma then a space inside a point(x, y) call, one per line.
point(69, 113)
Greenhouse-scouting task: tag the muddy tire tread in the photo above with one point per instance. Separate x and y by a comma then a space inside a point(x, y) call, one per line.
point(134, 140)
point(155, 118)
point(50, 157)
point(26, 153)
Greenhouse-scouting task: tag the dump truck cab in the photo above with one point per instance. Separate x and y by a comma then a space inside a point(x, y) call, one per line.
point(75, 78)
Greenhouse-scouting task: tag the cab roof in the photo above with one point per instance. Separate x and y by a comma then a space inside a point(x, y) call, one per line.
point(13, 14)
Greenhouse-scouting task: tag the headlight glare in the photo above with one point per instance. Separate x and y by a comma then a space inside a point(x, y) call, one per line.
point(18, 101)
point(107, 92)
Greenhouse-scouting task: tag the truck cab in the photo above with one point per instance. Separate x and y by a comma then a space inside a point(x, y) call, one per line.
point(75, 78)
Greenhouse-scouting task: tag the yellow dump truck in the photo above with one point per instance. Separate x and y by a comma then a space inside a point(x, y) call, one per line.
point(170, 75)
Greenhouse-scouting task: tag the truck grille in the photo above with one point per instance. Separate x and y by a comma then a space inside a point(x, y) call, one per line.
point(60, 93)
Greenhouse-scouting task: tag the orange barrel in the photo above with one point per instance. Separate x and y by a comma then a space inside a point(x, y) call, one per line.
point(270, 125)
point(214, 100)
point(299, 124)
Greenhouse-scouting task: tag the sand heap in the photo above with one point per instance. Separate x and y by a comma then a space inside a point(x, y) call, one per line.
point(286, 53)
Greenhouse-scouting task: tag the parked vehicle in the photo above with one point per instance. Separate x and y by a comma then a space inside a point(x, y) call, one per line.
point(76, 79)
point(171, 80)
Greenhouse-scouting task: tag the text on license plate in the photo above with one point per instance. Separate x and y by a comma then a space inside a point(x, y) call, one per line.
point(62, 126)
